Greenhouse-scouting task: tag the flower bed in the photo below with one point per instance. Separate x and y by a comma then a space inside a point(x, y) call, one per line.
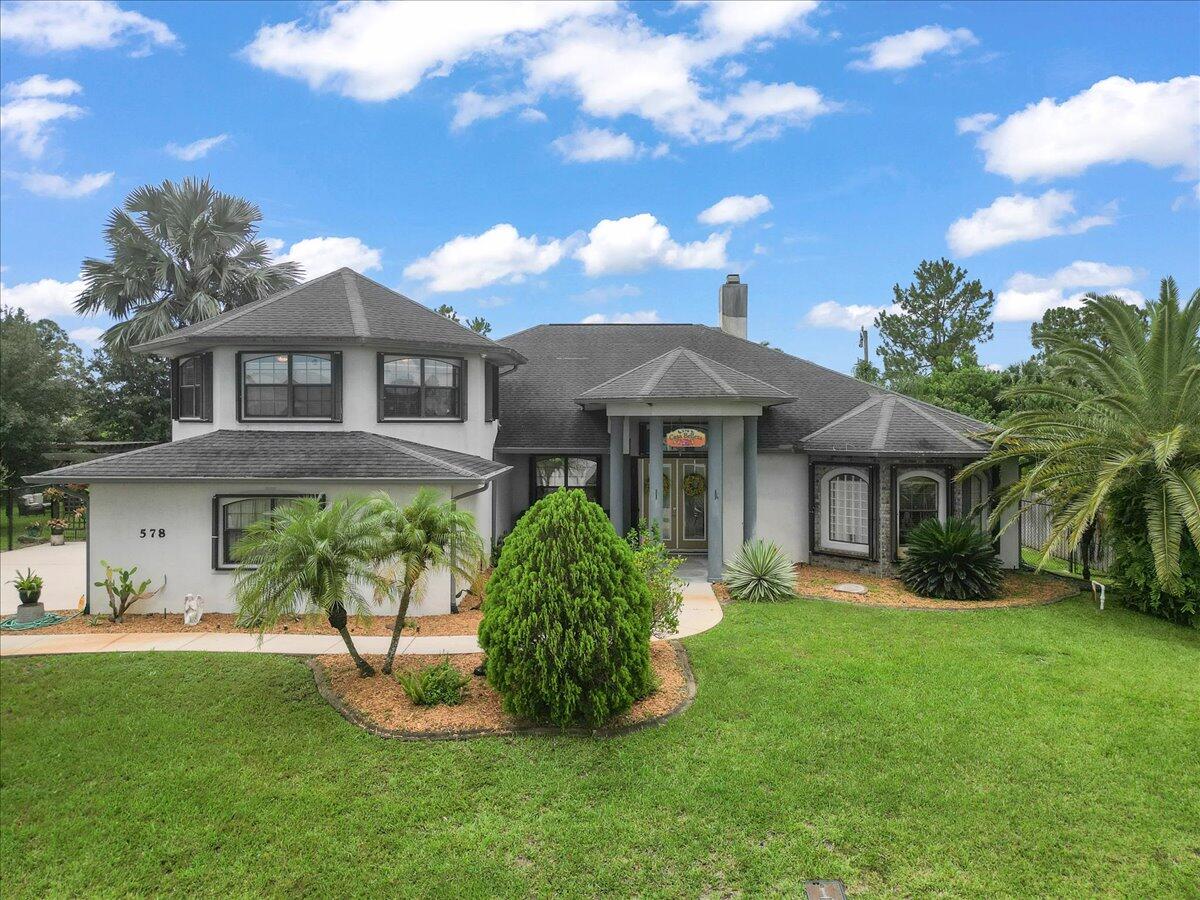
point(1020, 589)
point(381, 706)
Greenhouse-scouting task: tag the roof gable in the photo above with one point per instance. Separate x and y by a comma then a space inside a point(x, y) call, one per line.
point(684, 374)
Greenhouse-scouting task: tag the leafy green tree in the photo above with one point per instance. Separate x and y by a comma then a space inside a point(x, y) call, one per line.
point(479, 324)
point(1125, 429)
point(41, 400)
point(566, 623)
point(865, 370)
point(942, 317)
point(426, 535)
point(1081, 324)
point(305, 557)
point(179, 253)
point(969, 389)
point(129, 396)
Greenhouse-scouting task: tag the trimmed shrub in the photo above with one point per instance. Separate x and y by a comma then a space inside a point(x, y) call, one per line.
point(1133, 571)
point(760, 573)
point(441, 684)
point(954, 561)
point(657, 566)
point(566, 620)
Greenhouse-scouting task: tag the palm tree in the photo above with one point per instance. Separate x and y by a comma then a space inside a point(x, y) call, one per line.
point(306, 556)
point(1123, 426)
point(179, 253)
point(426, 535)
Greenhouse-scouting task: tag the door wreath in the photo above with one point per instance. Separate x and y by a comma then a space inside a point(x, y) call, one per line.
point(694, 485)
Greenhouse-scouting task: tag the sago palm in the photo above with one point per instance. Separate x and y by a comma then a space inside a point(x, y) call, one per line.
point(179, 253)
point(306, 557)
point(1125, 421)
point(427, 534)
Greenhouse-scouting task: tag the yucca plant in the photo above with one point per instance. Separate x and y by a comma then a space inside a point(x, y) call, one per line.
point(760, 573)
point(951, 561)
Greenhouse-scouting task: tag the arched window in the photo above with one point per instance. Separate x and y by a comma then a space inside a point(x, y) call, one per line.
point(846, 516)
point(920, 495)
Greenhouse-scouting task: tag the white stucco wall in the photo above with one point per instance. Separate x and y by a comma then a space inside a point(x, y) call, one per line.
point(783, 502)
point(184, 554)
point(359, 405)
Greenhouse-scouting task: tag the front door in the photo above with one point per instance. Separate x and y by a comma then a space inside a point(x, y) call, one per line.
point(685, 502)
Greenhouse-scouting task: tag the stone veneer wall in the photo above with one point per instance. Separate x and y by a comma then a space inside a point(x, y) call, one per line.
point(884, 563)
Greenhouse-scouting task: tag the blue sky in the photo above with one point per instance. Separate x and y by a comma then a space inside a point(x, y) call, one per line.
point(555, 162)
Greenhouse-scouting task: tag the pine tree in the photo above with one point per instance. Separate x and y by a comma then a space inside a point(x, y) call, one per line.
point(566, 623)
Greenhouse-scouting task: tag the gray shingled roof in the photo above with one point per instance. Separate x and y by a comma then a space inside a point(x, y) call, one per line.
point(539, 408)
point(891, 423)
point(684, 374)
point(262, 454)
point(344, 307)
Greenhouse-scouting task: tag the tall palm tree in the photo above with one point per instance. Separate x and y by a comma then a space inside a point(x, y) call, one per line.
point(1124, 422)
point(308, 557)
point(426, 535)
point(179, 253)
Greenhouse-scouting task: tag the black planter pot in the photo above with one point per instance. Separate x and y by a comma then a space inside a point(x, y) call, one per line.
point(29, 597)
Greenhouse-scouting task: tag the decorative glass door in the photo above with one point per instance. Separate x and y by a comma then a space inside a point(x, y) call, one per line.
point(685, 502)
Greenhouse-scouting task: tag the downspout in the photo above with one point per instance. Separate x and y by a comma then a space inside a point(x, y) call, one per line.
point(454, 498)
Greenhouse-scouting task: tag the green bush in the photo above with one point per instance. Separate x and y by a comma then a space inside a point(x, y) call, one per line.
point(954, 561)
point(566, 620)
point(441, 684)
point(1133, 573)
point(761, 572)
point(658, 568)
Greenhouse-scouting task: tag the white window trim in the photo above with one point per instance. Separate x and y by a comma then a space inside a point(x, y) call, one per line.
point(918, 473)
point(828, 543)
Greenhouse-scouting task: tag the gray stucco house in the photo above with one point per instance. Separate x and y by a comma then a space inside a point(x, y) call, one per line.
point(341, 385)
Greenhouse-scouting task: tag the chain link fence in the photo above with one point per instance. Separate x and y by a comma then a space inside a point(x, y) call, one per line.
point(1035, 526)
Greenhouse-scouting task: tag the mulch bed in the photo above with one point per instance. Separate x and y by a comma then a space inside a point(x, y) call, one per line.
point(466, 622)
point(1020, 589)
point(379, 704)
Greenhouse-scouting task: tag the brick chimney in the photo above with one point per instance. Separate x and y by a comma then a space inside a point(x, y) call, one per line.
point(733, 306)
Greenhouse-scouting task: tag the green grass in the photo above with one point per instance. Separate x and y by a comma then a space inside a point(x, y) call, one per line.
point(1052, 751)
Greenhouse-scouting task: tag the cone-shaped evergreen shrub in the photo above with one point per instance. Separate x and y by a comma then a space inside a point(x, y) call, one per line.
point(566, 619)
point(955, 561)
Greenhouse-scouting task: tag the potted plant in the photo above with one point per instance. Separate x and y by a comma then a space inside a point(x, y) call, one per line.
point(58, 529)
point(29, 587)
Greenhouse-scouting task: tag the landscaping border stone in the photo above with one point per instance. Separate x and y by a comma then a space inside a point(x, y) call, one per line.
point(352, 715)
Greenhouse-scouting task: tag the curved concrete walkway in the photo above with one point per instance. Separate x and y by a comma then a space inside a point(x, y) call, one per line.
point(701, 611)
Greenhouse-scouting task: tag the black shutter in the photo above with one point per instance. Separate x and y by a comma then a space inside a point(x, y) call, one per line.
point(873, 507)
point(237, 382)
point(174, 363)
point(464, 372)
point(491, 392)
point(952, 508)
point(216, 531)
point(379, 387)
point(206, 386)
point(336, 359)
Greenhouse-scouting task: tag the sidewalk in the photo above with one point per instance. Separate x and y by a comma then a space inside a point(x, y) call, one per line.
point(700, 612)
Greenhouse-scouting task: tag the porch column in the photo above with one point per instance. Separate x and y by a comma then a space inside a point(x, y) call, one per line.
point(716, 493)
point(616, 472)
point(656, 465)
point(749, 477)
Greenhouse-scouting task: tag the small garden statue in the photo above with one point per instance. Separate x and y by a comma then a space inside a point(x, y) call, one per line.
point(193, 609)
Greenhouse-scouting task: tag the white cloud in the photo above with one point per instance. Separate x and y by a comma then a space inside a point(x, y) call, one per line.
point(500, 254)
point(44, 184)
point(904, 51)
point(608, 293)
point(380, 51)
point(851, 317)
point(638, 242)
point(1027, 297)
point(471, 106)
point(976, 124)
point(196, 149)
point(321, 255)
point(1019, 218)
point(532, 114)
point(42, 86)
point(89, 334)
point(26, 122)
point(640, 317)
point(78, 24)
point(735, 209)
point(42, 299)
point(600, 145)
point(1115, 120)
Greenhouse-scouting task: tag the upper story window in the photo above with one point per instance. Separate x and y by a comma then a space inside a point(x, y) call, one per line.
point(845, 496)
point(191, 388)
point(420, 387)
point(290, 385)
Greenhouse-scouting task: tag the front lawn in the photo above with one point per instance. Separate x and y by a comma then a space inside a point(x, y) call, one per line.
point(1047, 751)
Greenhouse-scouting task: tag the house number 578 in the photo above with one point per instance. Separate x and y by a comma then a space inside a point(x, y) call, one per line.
point(154, 532)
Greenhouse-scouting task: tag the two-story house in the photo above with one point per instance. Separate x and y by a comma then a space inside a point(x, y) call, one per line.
point(342, 386)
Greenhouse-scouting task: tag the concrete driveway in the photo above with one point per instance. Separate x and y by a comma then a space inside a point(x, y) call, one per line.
point(63, 569)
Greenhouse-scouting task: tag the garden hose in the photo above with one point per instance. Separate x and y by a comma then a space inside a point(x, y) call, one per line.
point(11, 623)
